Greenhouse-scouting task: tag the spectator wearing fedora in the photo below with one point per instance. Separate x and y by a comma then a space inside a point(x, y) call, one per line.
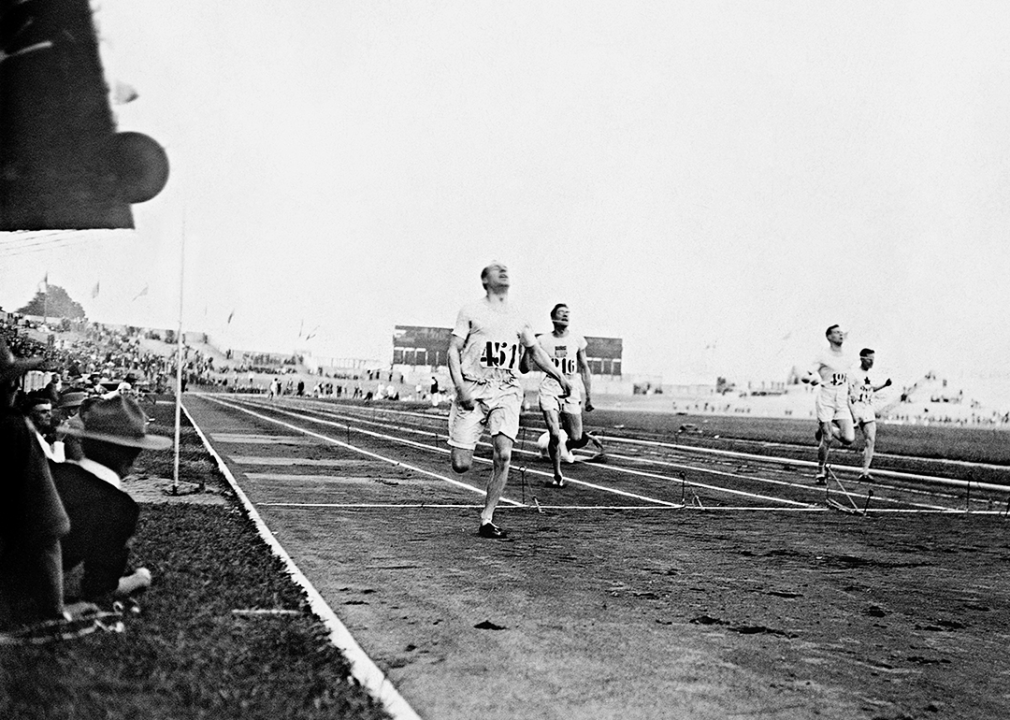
point(72, 405)
point(32, 518)
point(103, 517)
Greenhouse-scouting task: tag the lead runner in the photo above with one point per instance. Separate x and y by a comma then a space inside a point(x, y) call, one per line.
point(833, 406)
point(485, 349)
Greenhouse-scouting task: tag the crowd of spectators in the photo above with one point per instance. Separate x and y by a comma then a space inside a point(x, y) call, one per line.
point(71, 427)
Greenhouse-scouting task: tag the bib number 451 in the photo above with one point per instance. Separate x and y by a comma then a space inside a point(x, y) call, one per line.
point(499, 354)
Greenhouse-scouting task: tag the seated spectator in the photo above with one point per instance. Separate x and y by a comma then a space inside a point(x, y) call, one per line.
point(32, 519)
point(38, 408)
point(103, 517)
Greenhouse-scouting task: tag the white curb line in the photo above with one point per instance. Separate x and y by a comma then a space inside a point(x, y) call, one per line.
point(366, 672)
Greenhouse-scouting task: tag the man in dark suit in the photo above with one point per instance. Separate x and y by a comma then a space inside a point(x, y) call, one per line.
point(103, 517)
point(32, 519)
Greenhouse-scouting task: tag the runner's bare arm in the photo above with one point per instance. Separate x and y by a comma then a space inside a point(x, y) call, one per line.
point(586, 377)
point(525, 360)
point(455, 359)
point(813, 375)
point(543, 361)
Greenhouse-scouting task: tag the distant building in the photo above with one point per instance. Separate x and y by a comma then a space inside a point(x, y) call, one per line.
point(418, 346)
point(604, 355)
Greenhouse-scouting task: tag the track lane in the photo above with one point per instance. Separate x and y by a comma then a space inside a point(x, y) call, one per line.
point(706, 485)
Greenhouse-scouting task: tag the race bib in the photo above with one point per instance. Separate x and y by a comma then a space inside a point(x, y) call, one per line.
point(500, 355)
point(565, 365)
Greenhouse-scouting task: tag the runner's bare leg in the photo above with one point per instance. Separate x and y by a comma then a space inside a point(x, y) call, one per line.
point(499, 476)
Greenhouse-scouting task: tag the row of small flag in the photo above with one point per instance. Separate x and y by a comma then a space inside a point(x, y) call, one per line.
point(44, 288)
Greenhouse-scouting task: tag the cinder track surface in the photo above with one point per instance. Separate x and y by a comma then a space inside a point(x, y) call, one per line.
point(666, 583)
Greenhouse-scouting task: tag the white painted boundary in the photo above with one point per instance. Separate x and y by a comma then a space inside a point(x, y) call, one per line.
point(364, 670)
point(918, 507)
point(583, 483)
point(353, 448)
point(651, 508)
point(893, 474)
point(401, 441)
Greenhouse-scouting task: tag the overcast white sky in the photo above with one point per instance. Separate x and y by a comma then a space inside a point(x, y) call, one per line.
point(713, 182)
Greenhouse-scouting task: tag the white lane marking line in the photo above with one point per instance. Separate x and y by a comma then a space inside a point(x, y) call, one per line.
point(766, 481)
point(364, 670)
point(436, 506)
point(400, 440)
point(361, 451)
point(712, 509)
point(921, 507)
point(339, 479)
point(706, 486)
point(584, 483)
point(282, 461)
point(236, 439)
point(355, 506)
point(683, 466)
point(894, 474)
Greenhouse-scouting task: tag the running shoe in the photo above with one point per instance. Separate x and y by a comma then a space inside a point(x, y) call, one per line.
point(490, 530)
point(821, 478)
point(866, 477)
point(559, 483)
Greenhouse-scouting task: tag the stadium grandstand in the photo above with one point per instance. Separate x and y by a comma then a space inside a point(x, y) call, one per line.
point(420, 352)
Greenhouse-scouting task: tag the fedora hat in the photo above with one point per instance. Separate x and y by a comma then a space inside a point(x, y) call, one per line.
point(71, 399)
point(119, 420)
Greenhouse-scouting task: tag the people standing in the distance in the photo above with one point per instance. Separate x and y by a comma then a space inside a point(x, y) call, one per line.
point(485, 348)
point(862, 391)
point(834, 412)
point(436, 392)
point(563, 413)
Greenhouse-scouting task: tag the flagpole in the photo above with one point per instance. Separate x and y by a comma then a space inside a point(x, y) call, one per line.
point(178, 354)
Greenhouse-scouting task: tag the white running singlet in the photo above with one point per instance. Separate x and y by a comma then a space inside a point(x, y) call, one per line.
point(833, 370)
point(563, 352)
point(494, 336)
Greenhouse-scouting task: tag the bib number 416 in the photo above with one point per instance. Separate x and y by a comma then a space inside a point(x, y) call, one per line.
point(499, 354)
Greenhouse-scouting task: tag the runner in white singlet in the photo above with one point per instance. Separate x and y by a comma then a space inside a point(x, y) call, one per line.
point(485, 349)
point(834, 415)
point(861, 392)
point(563, 415)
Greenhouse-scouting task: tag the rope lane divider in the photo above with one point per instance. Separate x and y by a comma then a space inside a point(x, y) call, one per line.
point(651, 508)
point(767, 459)
point(584, 483)
point(422, 446)
point(752, 478)
point(361, 451)
point(328, 411)
point(893, 474)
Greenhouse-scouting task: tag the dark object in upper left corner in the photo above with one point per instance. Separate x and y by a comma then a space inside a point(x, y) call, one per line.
point(62, 163)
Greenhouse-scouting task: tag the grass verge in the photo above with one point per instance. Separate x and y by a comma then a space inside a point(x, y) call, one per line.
point(189, 654)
